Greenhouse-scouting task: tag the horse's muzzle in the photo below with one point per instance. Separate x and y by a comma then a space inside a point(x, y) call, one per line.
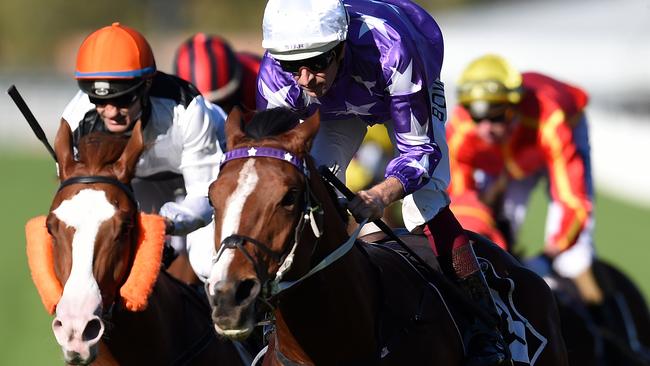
point(233, 306)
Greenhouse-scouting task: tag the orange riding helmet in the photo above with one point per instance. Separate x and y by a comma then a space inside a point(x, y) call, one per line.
point(113, 61)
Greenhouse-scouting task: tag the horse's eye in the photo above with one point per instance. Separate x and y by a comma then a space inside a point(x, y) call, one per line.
point(290, 198)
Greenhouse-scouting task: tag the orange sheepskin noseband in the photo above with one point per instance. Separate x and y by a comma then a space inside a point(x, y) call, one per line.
point(136, 289)
point(41, 262)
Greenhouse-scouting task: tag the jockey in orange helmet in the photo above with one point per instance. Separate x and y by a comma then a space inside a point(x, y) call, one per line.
point(224, 77)
point(510, 131)
point(120, 85)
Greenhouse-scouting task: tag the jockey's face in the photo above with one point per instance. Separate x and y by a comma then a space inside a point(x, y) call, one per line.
point(118, 119)
point(495, 123)
point(495, 128)
point(120, 113)
point(317, 83)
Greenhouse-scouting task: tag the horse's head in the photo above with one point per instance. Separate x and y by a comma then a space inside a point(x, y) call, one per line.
point(260, 199)
point(81, 255)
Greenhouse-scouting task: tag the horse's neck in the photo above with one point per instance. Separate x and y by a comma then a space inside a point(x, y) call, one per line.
point(162, 320)
point(105, 356)
point(340, 300)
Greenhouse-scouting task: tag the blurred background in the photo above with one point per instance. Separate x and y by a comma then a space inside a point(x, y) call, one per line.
point(601, 45)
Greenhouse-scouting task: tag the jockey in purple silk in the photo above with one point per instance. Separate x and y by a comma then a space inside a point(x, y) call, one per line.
point(362, 62)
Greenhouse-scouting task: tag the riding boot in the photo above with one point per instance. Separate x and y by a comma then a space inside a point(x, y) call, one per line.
point(485, 344)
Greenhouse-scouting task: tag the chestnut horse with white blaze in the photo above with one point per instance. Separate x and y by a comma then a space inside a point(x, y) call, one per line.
point(281, 243)
point(96, 261)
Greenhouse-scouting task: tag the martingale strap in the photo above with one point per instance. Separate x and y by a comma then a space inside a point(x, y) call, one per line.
point(266, 152)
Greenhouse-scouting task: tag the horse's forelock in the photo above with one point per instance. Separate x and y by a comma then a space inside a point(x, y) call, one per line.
point(271, 122)
point(100, 148)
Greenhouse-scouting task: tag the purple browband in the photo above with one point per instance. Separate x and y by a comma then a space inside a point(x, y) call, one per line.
point(267, 152)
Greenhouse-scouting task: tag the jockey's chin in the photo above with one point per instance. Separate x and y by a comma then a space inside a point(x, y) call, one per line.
point(318, 89)
point(315, 93)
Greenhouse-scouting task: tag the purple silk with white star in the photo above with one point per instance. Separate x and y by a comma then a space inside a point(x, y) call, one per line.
point(392, 63)
point(266, 152)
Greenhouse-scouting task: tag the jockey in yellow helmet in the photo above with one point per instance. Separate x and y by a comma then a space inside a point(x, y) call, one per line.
point(512, 130)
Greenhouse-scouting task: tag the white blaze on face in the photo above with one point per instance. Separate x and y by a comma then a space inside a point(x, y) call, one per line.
point(85, 212)
point(246, 184)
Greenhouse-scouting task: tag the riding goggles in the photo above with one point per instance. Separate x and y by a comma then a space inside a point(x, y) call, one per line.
point(494, 113)
point(121, 101)
point(314, 64)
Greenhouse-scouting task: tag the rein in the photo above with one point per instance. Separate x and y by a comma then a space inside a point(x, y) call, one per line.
point(101, 179)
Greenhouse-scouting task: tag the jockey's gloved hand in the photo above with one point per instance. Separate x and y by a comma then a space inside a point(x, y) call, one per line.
point(370, 204)
point(182, 220)
point(366, 205)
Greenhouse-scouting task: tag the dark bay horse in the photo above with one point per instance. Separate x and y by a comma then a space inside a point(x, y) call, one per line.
point(281, 242)
point(95, 261)
point(613, 331)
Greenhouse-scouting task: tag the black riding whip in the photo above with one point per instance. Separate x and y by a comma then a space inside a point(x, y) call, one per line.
point(450, 289)
point(33, 123)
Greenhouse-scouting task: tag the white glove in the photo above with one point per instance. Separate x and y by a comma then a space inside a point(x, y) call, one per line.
point(188, 215)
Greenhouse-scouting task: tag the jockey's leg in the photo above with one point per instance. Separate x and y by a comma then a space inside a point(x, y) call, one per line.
point(575, 262)
point(485, 343)
point(428, 209)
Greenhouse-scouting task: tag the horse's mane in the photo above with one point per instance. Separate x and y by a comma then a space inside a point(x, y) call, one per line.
point(275, 121)
point(271, 122)
point(101, 148)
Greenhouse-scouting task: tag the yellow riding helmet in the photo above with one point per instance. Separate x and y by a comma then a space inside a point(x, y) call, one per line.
point(491, 79)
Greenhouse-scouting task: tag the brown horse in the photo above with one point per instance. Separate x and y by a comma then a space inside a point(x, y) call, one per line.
point(614, 331)
point(95, 261)
point(281, 240)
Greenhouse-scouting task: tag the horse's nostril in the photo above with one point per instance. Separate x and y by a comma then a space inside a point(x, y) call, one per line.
point(57, 324)
point(92, 330)
point(244, 290)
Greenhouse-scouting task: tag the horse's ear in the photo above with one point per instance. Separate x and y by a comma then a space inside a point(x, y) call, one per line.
point(234, 132)
point(63, 150)
point(124, 167)
point(303, 134)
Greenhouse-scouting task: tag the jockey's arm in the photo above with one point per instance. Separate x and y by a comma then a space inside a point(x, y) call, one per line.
point(418, 154)
point(203, 135)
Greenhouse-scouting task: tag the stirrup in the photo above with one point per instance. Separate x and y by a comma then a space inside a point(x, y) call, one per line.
point(491, 351)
